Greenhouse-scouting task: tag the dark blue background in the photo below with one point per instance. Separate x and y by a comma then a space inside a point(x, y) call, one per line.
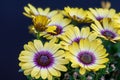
point(14, 29)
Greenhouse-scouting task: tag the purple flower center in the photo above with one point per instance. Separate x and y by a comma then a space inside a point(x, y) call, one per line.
point(108, 34)
point(77, 40)
point(99, 18)
point(86, 57)
point(43, 59)
point(57, 31)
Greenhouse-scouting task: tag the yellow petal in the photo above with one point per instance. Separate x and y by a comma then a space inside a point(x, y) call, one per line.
point(26, 58)
point(85, 32)
point(53, 72)
point(101, 52)
point(93, 11)
point(51, 29)
point(37, 75)
point(65, 22)
point(82, 71)
point(51, 47)
point(43, 73)
point(21, 63)
point(26, 53)
point(75, 65)
point(29, 48)
point(92, 36)
point(77, 32)
point(49, 76)
point(27, 65)
point(101, 61)
point(59, 53)
point(27, 71)
point(55, 47)
point(74, 48)
point(81, 44)
point(38, 45)
point(86, 44)
point(96, 67)
point(33, 9)
point(27, 10)
point(61, 61)
point(52, 41)
point(60, 67)
point(99, 25)
point(35, 71)
point(100, 47)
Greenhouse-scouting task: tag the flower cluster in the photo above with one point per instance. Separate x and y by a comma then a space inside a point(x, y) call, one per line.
point(66, 50)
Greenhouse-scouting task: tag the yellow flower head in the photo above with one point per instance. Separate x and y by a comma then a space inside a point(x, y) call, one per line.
point(100, 13)
point(74, 34)
point(106, 30)
point(43, 61)
point(41, 23)
point(105, 4)
point(31, 11)
point(61, 24)
point(88, 55)
point(77, 14)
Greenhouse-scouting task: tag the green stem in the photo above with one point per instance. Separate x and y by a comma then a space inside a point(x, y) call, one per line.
point(38, 35)
point(96, 77)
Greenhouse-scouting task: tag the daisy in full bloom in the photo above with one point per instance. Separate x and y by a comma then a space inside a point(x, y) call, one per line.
point(100, 13)
point(62, 25)
point(31, 11)
point(106, 30)
point(87, 55)
point(77, 14)
point(42, 61)
point(74, 34)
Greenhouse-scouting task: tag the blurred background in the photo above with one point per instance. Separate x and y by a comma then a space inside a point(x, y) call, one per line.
point(14, 29)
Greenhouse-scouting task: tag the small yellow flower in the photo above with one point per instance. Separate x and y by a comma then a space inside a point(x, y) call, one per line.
point(43, 61)
point(88, 55)
point(100, 13)
point(32, 29)
point(105, 5)
point(62, 25)
point(41, 23)
point(107, 30)
point(31, 11)
point(77, 14)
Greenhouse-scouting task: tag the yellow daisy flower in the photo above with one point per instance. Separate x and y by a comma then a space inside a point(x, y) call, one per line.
point(74, 34)
point(43, 61)
point(62, 25)
point(100, 13)
point(88, 55)
point(31, 11)
point(77, 14)
point(106, 30)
